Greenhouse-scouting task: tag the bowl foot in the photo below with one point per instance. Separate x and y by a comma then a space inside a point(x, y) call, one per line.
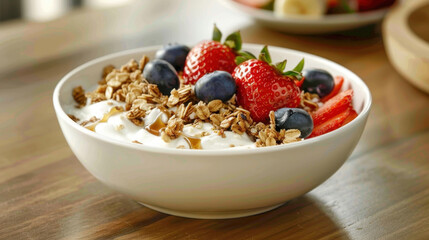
point(213, 215)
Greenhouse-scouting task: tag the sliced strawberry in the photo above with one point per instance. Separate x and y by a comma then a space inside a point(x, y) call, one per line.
point(332, 123)
point(333, 107)
point(353, 115)
point(338, 81)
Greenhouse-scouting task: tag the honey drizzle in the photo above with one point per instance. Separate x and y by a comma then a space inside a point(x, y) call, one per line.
point(156, 127)
point(113, 111)
point(165, 111)
point(194, 143)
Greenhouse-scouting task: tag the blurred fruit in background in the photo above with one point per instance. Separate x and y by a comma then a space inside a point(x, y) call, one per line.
point(317, 7)
point(286, 8)
point(367, 5)
point(264, 4)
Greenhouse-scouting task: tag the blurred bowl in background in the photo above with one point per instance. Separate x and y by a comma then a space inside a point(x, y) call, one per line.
point(406, 39)
point(302, 25)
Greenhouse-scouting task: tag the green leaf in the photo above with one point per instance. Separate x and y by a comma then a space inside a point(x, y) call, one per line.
point(229, 44)
point(240, 59)
point(246, 54)
point(265, 55)
point(293, 74)
point(346, 7)
point(217, 34)
point(299, 66)
point(281, 66)
point(243, 56)
point(234, 41)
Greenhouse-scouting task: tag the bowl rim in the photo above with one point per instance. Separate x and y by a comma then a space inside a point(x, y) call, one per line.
point(343, 18)
point(62, 116)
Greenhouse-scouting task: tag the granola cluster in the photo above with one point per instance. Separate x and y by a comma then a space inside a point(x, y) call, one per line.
point(182, 107)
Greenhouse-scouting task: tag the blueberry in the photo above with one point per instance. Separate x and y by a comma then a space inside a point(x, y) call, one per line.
point(318, 81)
point(162, 74)
point(175, 54)
point(294, 118)
point(215, 85)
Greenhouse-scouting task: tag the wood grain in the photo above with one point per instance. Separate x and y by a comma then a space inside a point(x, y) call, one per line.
point(381, 192)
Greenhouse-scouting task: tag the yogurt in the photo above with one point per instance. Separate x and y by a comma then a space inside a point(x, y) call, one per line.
point(119, 127)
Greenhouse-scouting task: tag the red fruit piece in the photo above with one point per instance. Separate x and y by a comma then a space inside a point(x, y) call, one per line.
point(332, 123)
point(299, 82)
point(333, 107)
point(207, 57)
point(353, 115)
point(367, 5)
point(338, 81)
point(254, 3)
point(261, 88)
point(332, 3)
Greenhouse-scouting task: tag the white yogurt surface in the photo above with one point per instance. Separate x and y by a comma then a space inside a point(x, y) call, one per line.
point(120, 128)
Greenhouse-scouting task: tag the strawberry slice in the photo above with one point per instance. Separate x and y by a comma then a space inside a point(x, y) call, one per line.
point(333, 107)
point(338, 81)
point(332, 123)
point(353, 115)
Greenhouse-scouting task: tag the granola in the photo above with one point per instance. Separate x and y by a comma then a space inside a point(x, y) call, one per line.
point(126, 85)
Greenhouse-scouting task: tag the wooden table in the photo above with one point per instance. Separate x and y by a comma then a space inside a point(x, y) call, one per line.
point(382, 191)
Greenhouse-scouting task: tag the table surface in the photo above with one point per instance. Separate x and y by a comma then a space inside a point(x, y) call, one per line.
point(382, 191)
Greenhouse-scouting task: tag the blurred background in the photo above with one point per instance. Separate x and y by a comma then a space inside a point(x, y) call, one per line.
point(32, 31)
point(385, 178)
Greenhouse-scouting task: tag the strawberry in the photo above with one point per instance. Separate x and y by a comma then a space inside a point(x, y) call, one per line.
point(210, 56)
point(332, 107)
point(367, 5)
point(332, 3)
point(262, 87)
point(353, 115)
point(300, 82)
point(338, 81)
point(332, 123)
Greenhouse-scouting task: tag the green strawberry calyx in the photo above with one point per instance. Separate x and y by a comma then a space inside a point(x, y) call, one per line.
point(232, 41)
point(265, 56)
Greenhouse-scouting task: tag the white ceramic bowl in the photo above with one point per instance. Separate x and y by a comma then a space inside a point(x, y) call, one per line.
point(302, 25)
point(211, 183)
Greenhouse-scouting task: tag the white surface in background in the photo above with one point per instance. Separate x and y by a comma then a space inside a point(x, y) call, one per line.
point(154, 22)
point(44, 10)
point(104, 3)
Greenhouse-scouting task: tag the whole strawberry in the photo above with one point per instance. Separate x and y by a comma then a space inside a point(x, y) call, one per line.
point(210, 56)
point(263, 87)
